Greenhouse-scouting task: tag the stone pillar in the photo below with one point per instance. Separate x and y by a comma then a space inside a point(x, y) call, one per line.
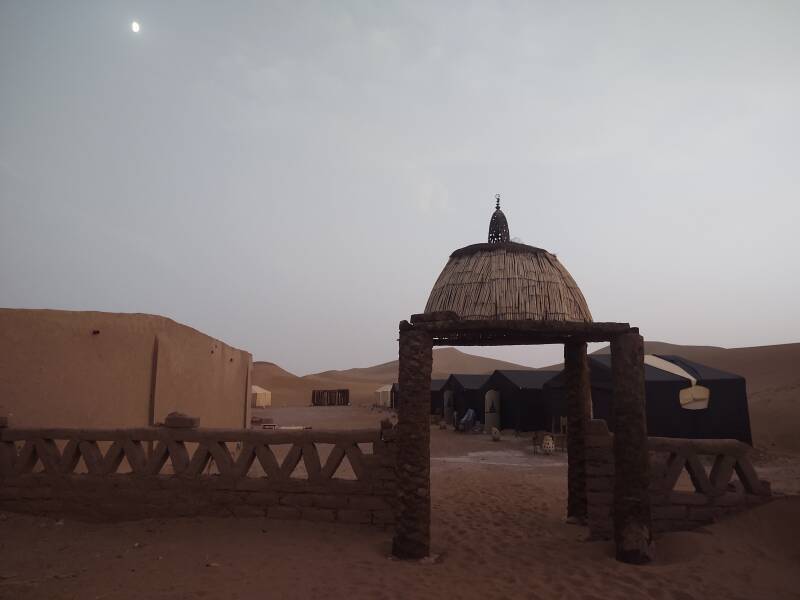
point(412, 535)
point(632, 527)
point(8, 452)
point(578, 391)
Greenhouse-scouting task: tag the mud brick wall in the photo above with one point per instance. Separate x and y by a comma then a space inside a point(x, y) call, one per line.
point(60, 368)
point(31, 485)
point(714, 495)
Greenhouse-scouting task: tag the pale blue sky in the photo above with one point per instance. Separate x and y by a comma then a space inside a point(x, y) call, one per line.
point(291, 177)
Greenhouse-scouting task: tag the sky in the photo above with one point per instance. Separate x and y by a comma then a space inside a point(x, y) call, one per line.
point(291, 177)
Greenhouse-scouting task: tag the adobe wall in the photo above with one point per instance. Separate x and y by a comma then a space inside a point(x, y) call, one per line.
point(95, 369)
point(125, 497)
point(714, 494)
point(191, 472)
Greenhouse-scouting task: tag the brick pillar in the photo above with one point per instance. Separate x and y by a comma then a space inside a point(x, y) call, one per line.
point(576, 375)
point(632, 526)
point(412, 537)
point(599, 480)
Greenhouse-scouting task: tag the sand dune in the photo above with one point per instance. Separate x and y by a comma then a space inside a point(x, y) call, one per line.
point(445, 362)
point(290, 390)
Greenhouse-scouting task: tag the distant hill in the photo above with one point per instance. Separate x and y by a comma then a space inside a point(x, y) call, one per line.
point(445, 362)
point(270, 376)
point(290, 390)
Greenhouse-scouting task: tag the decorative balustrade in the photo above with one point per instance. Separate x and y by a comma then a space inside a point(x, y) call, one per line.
point(161, 471)
point(671, 457)
point(691, 481)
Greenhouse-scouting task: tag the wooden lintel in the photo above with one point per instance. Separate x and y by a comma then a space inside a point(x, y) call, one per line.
point(500, 341)
point(439, 316)
point(544, 328)
point(446, 329)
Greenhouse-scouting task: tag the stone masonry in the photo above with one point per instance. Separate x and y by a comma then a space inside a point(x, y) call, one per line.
point(40, 474)
point(674, 510)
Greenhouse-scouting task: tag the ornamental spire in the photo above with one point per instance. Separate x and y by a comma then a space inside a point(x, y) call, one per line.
point(498, 226)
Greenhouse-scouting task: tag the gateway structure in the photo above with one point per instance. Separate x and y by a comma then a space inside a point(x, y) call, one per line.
point(505, 293)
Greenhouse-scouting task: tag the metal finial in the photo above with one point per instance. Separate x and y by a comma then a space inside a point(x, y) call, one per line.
point(498, 225)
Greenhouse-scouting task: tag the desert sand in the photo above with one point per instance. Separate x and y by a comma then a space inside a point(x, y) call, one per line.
point(497, 526)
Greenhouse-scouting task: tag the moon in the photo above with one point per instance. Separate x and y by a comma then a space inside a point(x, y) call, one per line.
point(135, 26)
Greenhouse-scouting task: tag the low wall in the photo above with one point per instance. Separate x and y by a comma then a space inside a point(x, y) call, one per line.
point(126, 474)
point(711, 494)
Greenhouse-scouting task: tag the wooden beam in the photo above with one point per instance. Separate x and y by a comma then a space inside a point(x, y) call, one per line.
point(465, 332)
point(527, 325)
point(504, 339)
point(442, 315)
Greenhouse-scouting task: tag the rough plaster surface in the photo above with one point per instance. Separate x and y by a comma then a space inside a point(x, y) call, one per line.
point(94, 369)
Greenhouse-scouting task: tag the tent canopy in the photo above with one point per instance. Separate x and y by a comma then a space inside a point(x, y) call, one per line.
point(527, 380)
point(683, 398)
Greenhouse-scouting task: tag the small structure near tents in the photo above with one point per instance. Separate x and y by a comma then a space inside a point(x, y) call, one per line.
point(521, 401)
point(385, 396)
point(330, 398)
point(388, 395)
point(259, 397)
point(437, 396)
point(462, 391)
point(683, 399)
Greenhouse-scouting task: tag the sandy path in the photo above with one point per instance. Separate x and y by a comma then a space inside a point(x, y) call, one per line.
point(498, 527)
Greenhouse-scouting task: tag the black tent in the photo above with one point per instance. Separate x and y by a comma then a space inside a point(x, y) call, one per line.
point(467, 392)
point(726, 414)
point(437, 394)
point(522, 401)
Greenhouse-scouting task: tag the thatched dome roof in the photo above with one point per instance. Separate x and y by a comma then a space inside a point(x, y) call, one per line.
point(504, 280)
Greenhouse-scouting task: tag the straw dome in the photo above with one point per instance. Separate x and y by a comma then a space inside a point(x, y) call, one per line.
point(504, 281)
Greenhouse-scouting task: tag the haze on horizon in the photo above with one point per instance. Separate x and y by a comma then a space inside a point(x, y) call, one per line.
point(291, 178)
